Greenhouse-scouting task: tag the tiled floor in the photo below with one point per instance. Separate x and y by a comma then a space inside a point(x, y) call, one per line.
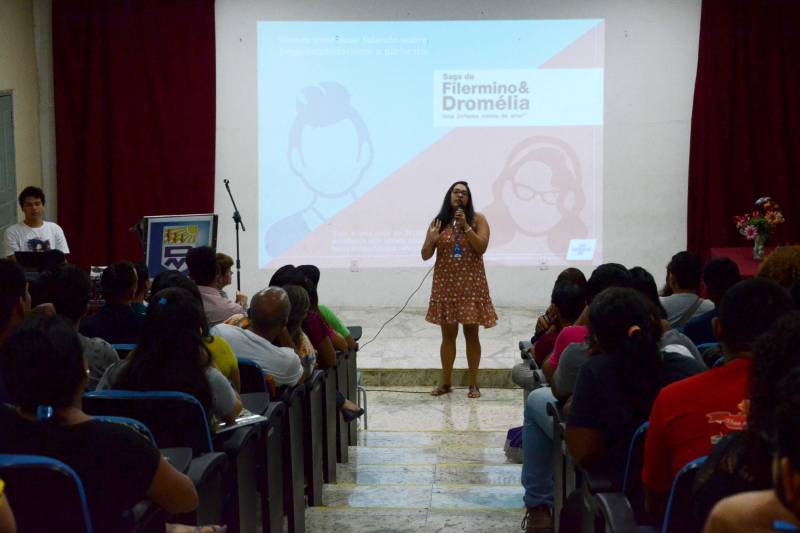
point(409, 342)
point(428, 465)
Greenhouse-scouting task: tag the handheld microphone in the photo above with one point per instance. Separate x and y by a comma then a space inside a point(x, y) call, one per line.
point(458, 206)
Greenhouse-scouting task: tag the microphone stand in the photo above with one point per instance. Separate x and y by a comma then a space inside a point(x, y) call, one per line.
point(237, 218)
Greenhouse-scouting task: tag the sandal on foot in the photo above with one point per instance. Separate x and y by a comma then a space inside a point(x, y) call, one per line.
point(474, 392)
point(442, 390)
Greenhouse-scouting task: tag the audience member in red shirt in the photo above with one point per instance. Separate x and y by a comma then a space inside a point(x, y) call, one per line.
point(689, 416)
point(776, 509)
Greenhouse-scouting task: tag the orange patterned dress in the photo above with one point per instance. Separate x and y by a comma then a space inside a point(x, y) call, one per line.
point(460, 293)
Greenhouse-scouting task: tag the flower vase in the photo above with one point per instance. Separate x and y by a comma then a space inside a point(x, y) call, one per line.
point(758, 247)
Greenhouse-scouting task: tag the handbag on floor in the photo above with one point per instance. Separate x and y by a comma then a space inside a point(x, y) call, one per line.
point(513, 445)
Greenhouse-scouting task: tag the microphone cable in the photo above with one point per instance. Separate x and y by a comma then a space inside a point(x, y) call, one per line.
point(428, 273)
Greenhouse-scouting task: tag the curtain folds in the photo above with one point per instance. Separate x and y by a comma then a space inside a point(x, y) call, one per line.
point(745, 136)
point(135, 118)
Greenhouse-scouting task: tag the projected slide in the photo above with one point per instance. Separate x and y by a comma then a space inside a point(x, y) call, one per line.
point(364, 125)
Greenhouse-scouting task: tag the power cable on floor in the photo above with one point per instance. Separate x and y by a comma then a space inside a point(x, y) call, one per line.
point(361, 347)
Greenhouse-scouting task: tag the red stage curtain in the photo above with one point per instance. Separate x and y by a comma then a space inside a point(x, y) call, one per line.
point(745, 139)
point(135, 118)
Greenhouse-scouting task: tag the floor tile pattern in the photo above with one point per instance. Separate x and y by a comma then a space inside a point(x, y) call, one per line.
point(428, 464)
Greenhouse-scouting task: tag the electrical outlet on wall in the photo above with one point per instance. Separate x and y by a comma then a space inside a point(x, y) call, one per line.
point(354, 265)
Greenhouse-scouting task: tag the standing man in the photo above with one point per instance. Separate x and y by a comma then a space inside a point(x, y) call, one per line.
point(34, 234)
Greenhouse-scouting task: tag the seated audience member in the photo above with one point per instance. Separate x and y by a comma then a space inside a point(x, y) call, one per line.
point(139, 302)
point(741, 461)
point(690, 416)
point(318, 331)
point(118, 468)
point(268, 313)
point(298, 299)
point(782, 266)
point(172, 355)
point(776, 509)
point(544, 322)
point(116, 322)
point(617, 386)
point(225, 278)
point(537, 429)
point(343, 339)
point(719, 275)
point(15, 303)
point(671, 340)
point(683, 283)
point(68, 288)
point(573, 337)
point(221, 352)
point(202, 265)
point(567, 302)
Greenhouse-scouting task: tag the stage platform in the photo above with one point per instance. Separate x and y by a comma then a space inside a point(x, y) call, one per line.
point(406, 353)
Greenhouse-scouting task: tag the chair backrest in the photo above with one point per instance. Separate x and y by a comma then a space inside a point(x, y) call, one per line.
point(175, 419)
point(251, 376)
point(678, 517)
point(123, 349)
point(45, 494)
point(131, 423)
point(632, 482)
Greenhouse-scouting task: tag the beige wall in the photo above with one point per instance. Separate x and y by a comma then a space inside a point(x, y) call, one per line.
point(18, 73)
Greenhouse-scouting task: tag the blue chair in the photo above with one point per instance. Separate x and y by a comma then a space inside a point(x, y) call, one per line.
point(123, 349)
point(178, 420)
point(251, 377)
point(131, 423)
point(678, 517)
point(632, 486)
point(46, 494)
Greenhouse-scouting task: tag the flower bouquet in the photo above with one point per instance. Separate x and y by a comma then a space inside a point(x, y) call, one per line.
point(758, 225)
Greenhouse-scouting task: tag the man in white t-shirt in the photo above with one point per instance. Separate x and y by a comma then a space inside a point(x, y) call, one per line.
point(269, 312)
point(34, 234)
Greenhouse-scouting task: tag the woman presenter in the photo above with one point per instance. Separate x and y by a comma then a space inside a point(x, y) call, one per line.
point(460, 295)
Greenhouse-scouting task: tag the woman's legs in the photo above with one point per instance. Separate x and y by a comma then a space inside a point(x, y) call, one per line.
point(473, 352)
point(447, 352)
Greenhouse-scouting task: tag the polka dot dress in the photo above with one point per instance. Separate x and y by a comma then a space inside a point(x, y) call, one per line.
point(460, 293)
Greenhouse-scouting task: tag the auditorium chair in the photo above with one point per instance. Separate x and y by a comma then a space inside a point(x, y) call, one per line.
point(678, 517)
point(178, 420)
point(293, 462)
point(563, 466)
point(613, 514)
point(313, 429)
point(330, 424)
point(251, 377)
point(342, 427)
point(632, 486)
point(270, 471)
point(45, 494)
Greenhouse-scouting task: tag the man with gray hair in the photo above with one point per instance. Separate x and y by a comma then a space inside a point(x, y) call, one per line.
point(268, 313)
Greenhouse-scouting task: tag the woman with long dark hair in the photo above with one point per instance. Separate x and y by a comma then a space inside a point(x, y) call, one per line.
point(172, 355)
point(617, 386)
point(460, 294)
